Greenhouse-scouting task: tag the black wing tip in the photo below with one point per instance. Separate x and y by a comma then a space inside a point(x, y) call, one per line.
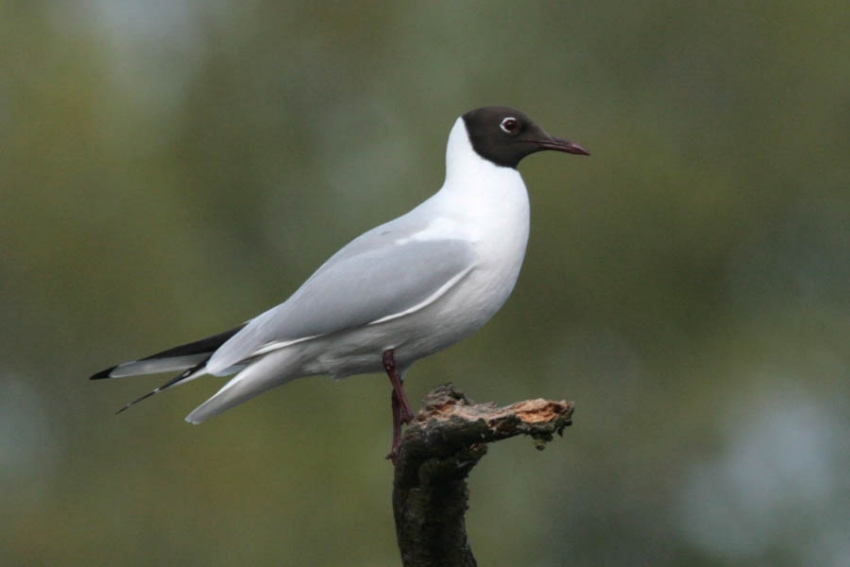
point(207, 345)
point(103, 374)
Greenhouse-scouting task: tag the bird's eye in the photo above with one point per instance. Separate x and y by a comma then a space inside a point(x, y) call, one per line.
point(509, 125)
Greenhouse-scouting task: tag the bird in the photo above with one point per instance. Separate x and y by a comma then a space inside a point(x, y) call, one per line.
point(397, 293)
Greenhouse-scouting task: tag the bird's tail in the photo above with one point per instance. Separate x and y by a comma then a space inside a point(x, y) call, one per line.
point(263, 374)
point(190, 358)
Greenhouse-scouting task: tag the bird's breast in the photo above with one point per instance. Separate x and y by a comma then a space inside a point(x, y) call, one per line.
point(493, 215)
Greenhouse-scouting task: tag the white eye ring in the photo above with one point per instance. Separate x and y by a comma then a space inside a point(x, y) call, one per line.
point(509, 125)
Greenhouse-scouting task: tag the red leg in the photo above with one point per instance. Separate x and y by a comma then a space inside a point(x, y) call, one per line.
point(402, 412)
point(396, 428)
point(389, 366)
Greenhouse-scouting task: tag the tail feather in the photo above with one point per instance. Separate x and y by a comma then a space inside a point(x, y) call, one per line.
point(182, 357)
point(272, 370)
point(191, 358)
point(157, 366)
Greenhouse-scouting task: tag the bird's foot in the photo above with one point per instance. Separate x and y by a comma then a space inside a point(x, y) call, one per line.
point(392, 456)
point(400, 419)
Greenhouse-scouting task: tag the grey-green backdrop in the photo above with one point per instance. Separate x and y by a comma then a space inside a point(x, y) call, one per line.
point(169, 169)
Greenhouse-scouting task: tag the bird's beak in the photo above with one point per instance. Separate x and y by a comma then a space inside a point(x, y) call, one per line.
point(560, 145)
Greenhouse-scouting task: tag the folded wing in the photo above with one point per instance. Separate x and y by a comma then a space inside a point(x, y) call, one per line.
point(375, 278)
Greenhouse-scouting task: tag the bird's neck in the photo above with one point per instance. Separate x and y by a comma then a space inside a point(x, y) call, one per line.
point(487, 202)
point(474, 178)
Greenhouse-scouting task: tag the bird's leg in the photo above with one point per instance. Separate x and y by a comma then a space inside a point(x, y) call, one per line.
point(402, 412)
point(406, 412)
point(396, 428)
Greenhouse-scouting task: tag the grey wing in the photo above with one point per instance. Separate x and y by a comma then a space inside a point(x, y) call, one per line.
point(370, 280)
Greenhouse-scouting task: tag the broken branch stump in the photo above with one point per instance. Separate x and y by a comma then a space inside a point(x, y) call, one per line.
point(445, 441)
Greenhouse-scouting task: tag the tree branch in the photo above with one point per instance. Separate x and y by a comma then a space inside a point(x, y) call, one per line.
point(439, 449)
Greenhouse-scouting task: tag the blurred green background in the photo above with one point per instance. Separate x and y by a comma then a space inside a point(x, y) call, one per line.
point(171, 168)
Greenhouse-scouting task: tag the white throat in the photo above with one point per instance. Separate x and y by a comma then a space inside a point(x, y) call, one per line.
point(463, 162)
point(478, 188)
point(485, 204)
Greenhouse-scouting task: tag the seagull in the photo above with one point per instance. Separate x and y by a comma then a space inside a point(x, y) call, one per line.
point(397, 293)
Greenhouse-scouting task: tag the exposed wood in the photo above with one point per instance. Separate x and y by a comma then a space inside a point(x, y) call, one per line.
point(440, 447)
